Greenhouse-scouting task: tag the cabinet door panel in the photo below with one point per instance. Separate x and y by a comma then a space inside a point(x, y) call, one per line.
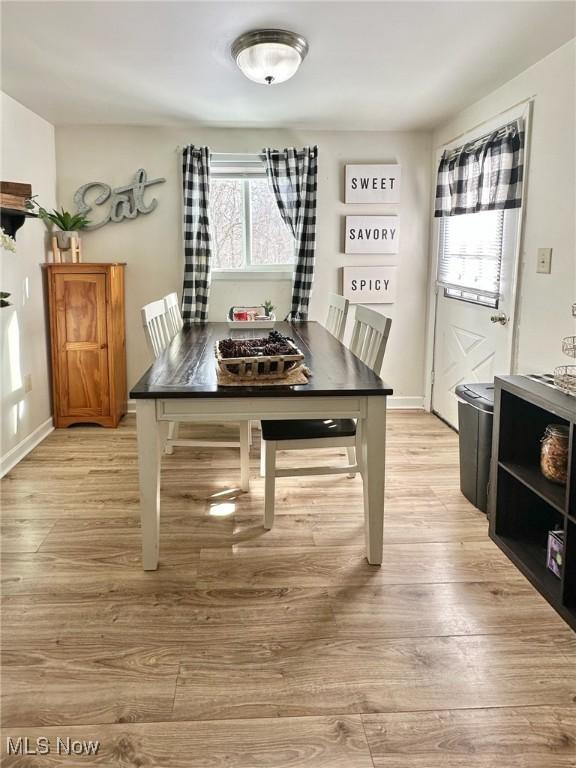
point(82, 380)
point(81, 295)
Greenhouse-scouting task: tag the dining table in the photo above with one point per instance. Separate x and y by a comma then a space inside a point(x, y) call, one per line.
point(182, 386)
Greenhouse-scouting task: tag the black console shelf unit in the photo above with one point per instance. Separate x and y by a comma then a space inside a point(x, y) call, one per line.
point(524, 506)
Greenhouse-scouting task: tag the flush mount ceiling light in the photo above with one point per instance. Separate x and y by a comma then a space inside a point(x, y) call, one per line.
point(269, 56)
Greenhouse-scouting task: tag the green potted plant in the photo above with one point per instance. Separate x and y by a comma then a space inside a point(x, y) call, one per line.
point(69, 224)
point(269, 308)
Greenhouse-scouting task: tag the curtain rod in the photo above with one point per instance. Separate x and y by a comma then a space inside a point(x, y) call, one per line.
point(260, 155)
point(469, 146)
point(180, 147)
point(528, 100)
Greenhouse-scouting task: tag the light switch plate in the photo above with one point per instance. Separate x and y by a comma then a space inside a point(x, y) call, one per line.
point(544, 264)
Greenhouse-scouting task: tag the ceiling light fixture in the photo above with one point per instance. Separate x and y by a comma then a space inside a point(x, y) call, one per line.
point(269, 56)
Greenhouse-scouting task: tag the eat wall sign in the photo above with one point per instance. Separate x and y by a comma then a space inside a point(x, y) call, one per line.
point(372, 184)
point(369, 285)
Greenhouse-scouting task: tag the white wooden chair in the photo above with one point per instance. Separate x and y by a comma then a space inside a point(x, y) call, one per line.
point(337, 315)
point(155, 327)
point(174, 320)
point(369, 338)
point(159, 333)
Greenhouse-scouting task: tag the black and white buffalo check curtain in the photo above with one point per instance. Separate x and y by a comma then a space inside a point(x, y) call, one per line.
point(197, 252)
point(293, 175)
point(484, 175)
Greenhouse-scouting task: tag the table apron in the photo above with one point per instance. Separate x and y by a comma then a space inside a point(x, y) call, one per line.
point(268, 408)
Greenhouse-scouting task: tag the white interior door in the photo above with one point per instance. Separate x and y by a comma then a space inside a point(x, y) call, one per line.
point(474, 342)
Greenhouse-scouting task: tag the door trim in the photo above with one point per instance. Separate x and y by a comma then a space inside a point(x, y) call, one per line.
point(523, 109)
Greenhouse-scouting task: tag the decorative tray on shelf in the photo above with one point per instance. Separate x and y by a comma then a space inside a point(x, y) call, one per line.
point(270, 357)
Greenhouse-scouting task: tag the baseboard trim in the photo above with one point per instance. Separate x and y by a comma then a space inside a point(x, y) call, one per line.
point(397, 403)
point(16, 454)
point(406, 403)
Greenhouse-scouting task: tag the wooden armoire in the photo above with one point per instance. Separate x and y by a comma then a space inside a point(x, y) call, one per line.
point(88, 343)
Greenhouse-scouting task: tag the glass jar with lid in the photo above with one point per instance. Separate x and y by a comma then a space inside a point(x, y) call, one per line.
point(554, 453)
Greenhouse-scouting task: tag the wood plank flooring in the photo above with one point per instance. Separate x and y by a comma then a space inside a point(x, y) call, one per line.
point(255, 649)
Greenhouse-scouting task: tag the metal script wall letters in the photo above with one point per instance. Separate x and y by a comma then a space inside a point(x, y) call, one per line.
point(124, 202)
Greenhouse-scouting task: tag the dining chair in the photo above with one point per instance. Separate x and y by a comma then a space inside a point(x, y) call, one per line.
point(159, 333)
point(155, 326)
point(337, 315)
point(369, 338)
point(173, 315)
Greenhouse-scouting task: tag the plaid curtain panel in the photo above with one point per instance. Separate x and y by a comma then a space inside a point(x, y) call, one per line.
point(484, 175)
point(196, 181)
point(293, 175)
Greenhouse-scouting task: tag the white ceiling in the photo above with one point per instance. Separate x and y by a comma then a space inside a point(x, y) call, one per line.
point(372, 65)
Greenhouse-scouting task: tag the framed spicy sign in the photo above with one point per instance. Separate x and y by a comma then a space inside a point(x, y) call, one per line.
point(369, 285)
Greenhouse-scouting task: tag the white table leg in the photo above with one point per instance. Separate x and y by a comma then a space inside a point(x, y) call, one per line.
point(262, 457)
point(245, 455)
point(373, 437)
point(149, 448)
point(270, 447)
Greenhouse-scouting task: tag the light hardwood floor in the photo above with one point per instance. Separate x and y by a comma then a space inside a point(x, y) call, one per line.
point(255, 649)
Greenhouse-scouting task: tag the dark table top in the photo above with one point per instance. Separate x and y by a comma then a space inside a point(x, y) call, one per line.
point(187, 368)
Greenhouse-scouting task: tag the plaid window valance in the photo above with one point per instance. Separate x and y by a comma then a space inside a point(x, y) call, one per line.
point(483, 175)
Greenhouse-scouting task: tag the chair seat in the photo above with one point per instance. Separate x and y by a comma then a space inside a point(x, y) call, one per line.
point(309, 429)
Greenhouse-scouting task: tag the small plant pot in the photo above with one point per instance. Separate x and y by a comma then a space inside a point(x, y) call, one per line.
point(63, 239)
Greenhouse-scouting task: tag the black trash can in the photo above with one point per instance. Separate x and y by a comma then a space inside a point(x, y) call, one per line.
point(475, 417)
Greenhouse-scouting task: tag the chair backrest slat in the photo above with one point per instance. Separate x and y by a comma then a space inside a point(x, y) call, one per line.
point(370, 336)
point(174, 320)
point(337, 314)
point(155, 327)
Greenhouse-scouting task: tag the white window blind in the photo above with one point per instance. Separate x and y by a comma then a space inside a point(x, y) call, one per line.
point(470, 256)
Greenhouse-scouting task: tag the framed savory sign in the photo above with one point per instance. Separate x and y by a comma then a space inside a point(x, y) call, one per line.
point(372, 184)
point(369, 285)
point(372, 234)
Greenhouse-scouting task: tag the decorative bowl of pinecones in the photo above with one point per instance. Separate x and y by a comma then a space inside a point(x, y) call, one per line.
point(261, 359)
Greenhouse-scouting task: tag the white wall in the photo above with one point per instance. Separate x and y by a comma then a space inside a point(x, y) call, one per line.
point(151, 245)
point(28, 155)
point(545, 301)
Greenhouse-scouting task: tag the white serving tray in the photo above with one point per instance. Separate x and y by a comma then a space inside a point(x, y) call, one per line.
point(256, 324)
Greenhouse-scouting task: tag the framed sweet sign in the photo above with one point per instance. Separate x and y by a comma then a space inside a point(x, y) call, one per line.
point(372, 184)
point(372, 234)
point(369, 285)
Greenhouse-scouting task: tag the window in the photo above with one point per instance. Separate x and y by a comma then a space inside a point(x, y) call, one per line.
point(470, 256)
point(247, 229)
